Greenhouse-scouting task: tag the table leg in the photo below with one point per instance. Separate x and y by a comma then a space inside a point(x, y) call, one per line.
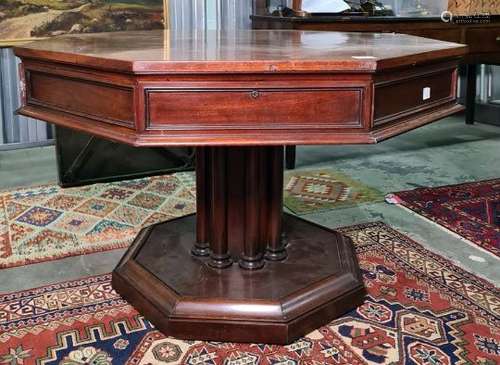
point(229, 274)
point(291, 153)
point(201, 245)
point(470, 98)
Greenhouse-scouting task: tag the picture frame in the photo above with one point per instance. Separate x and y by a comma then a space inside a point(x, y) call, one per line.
point(474, 7)
point(28, 20)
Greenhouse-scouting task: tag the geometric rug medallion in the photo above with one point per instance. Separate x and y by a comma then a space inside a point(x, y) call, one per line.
point(319, 190)
point(47, 222)
point(420, 310)
point(471, 210)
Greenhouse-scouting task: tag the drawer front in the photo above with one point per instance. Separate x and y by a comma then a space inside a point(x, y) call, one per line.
point(94, 100)
point(398, 97)
point(483, 40)
point(253, 108)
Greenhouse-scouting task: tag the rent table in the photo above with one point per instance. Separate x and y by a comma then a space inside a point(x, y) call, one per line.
point(240, 269)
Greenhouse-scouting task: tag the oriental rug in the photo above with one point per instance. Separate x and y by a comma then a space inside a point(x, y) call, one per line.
point(320, 190)
point(47, 222)
point(472, 210)
point(420, 310)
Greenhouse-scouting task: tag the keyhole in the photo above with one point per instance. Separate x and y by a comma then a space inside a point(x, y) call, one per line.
point(254, 94)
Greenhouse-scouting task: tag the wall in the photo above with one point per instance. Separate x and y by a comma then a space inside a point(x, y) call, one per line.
point(488, 83)
point(186, 15)
point(16, 130)
point(496, 84)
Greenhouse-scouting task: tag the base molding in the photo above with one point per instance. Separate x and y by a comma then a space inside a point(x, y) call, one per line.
point(186, 298)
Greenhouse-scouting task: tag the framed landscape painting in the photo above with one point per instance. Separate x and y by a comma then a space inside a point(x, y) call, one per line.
point(474, 7)
point(22, 20)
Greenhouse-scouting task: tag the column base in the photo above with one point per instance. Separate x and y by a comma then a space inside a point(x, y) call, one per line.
point(186, 298)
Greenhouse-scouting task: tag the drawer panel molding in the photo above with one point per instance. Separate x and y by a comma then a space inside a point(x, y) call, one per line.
point(94, 100)
point(258, 108)
point(398, 98)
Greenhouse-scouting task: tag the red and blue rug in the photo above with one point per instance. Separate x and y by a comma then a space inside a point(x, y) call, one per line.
point(472, 210)
point(420, 310)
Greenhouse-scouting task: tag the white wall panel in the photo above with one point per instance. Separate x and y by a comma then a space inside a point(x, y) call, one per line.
point(188, 15)
point(16, 129)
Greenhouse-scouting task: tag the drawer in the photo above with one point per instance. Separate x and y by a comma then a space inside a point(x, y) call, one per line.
point(90, 99)
point(262, 108)
point(483, 40)
point(395, 98)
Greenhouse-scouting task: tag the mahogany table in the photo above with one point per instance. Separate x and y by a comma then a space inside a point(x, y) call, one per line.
point(240, 269)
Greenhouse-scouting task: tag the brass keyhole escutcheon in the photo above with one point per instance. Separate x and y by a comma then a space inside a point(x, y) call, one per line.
point(254, 94)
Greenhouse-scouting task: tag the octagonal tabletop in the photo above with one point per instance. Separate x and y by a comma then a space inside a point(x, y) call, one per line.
point(240, 51)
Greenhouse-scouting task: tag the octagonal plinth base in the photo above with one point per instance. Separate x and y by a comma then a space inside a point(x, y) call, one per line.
point(186, 298)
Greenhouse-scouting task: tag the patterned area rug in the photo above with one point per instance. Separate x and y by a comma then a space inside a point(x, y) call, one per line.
point(471, 210)
point(47, 222)
point(320, 190)
point(421, 310)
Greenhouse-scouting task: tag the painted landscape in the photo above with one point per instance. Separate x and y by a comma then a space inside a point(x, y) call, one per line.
point(472, 7)
point(23, 19)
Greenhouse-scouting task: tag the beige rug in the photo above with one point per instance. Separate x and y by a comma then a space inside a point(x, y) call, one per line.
point(47, 222)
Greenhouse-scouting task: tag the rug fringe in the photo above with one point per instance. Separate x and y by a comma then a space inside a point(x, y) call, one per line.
point(393, 199)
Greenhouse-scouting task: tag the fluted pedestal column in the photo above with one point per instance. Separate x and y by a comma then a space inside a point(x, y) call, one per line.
point(240, 270)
